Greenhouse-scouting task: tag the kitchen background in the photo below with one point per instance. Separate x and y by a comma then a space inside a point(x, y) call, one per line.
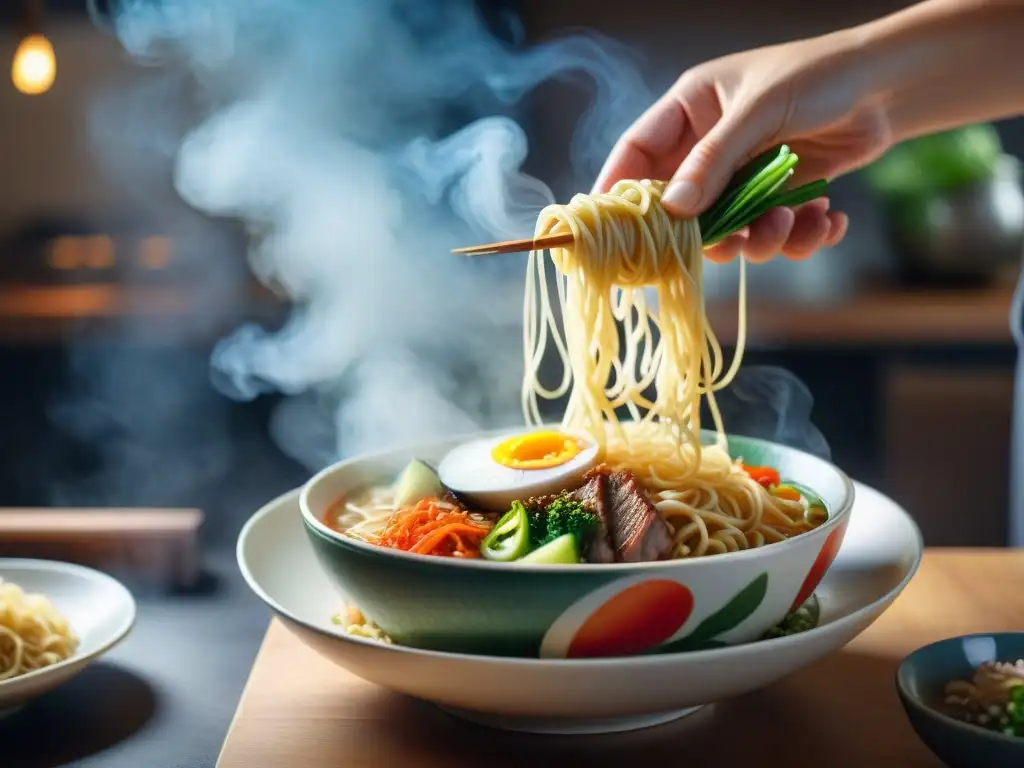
point(113, 292)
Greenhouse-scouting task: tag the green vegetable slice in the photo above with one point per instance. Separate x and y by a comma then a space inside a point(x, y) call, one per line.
point(562, 551)
point(418, 482)
point(510, 537)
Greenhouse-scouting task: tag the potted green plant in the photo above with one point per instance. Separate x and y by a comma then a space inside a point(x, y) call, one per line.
point(952, 202)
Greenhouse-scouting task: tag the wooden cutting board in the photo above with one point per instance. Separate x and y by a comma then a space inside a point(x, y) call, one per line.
point(300, 711)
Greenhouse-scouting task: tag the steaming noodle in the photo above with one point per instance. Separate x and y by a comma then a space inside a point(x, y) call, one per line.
point(33, 633)
point(624, 244)
point(365, 514)
point(652, 363)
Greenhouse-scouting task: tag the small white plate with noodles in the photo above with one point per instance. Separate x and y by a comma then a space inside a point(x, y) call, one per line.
point(55, 619)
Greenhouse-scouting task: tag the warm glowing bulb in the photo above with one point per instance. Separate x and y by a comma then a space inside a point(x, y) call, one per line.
point(34, 66)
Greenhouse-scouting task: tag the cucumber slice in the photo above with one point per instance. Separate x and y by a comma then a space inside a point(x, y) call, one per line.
point(417, 482)
point(562, 551)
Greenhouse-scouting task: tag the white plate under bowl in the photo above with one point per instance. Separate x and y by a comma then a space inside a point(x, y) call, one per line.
point(879, 555)
point(99, 608)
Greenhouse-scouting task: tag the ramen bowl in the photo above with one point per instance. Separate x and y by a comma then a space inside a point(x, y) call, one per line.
point(575, 611)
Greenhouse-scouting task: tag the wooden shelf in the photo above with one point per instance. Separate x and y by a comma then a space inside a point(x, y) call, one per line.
point(158, 544)
point(883, 316)
point(156, 313)
point(876, 317)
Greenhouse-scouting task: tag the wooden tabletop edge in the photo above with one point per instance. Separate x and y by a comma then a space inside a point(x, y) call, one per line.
point(240, 706)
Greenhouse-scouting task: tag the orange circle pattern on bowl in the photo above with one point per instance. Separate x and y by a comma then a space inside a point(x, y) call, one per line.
point(637, 618)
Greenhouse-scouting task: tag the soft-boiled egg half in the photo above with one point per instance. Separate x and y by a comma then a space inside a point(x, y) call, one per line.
point(494, 472)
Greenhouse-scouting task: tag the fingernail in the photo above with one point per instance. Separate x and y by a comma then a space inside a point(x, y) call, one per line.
point(681, 197)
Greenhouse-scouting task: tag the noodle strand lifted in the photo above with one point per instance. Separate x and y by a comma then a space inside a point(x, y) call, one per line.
point(615, 346)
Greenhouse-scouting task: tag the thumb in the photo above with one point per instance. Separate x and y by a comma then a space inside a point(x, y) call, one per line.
point(710, 165)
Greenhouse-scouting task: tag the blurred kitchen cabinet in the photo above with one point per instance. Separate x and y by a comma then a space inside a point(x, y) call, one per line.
point(946, 443)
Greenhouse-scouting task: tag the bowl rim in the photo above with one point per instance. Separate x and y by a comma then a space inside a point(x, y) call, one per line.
point(653, 659)
point(909, 699)
point(319, 528)
point(82, 573)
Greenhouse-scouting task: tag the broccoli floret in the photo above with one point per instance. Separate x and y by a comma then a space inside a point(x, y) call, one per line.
point(562, 516)
point(801, 620)
point(538, 526)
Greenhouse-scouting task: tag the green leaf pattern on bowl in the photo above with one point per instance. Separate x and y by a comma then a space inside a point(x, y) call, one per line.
point(735, 612)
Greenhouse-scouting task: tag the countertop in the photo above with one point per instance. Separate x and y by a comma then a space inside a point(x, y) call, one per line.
point(164, 698)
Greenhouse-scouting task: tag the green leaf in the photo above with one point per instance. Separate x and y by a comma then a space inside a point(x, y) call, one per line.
point(732, 615)
point(735, 611)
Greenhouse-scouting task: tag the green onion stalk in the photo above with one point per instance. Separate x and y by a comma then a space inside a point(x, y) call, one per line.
point(753, 191)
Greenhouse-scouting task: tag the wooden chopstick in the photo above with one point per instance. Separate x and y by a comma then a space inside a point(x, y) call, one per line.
point(517, 246)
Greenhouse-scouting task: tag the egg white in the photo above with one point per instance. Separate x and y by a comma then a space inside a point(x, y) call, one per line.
point(470, 471)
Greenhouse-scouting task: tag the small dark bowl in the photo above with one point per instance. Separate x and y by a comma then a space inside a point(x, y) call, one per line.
point(921, 680)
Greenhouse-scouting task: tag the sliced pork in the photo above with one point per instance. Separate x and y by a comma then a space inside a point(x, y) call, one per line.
point(630, 528)
point(637, 530)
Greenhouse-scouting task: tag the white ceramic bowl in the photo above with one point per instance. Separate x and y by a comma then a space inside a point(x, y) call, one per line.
point(99, 608)
point(879, 555)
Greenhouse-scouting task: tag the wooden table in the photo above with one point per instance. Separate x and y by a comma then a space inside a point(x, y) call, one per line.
point(300, 711)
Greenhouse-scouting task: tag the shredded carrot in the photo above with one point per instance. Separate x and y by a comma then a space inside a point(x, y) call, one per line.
point(434, 527)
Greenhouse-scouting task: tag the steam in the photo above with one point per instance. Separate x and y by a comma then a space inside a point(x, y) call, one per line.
point(772, 403)
point(363, 140)
point(359, 141)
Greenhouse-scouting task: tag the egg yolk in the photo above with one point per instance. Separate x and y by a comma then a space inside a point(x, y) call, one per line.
point(537, 450)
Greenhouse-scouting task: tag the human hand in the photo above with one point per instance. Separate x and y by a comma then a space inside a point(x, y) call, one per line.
point(812, 95)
